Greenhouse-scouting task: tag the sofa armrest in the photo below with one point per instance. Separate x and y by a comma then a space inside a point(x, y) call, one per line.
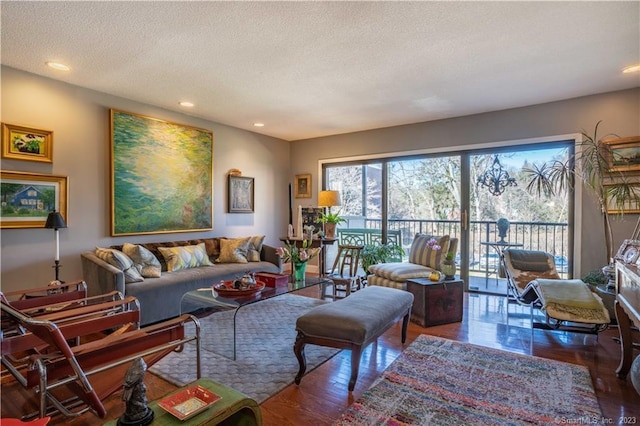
point(268, 254)
point(100, 276)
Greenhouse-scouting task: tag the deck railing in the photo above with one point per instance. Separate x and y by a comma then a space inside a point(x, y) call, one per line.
point(551, 237)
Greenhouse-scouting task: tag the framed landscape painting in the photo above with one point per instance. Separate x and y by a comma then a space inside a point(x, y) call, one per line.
point(25, 143)
point(623, 154)
point(161, 176)
point(27, 198)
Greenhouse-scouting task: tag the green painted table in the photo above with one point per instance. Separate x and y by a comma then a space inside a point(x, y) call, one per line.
point(234, 408)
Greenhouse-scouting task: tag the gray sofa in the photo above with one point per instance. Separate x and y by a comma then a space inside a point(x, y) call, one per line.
point(160, 297)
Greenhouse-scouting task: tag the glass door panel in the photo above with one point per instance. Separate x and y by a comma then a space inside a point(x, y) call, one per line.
point(532, 222)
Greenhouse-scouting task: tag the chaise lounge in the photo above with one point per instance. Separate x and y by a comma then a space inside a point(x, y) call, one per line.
point(423, 261)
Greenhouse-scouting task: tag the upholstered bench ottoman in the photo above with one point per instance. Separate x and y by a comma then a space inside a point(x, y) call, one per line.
point(352, 323)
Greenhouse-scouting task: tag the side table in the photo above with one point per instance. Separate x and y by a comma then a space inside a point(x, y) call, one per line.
point(436, 302)
point(234, 408)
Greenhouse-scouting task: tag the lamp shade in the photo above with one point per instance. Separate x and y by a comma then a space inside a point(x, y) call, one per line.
point(329, 199)
point(55, 221)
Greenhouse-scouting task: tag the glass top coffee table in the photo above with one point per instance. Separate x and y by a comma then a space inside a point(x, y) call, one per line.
point(209, 300)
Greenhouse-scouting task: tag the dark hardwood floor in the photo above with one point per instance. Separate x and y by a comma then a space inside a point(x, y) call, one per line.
point(322, 395)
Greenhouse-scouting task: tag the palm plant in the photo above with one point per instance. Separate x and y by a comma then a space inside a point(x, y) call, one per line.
point(590, 164)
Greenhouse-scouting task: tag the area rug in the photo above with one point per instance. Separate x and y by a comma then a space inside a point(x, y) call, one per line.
point(265, 361)
point(437, 381)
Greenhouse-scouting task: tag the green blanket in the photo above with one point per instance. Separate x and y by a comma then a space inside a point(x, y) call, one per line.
point(573, 293)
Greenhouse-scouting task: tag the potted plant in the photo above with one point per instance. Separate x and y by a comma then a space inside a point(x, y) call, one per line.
point(330, 220)
point(448, 267)
point(372, 254)
point(592, 168)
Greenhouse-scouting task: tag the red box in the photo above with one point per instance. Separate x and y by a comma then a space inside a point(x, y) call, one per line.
point(273, 280)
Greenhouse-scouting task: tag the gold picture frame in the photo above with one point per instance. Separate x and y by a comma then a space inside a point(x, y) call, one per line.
point(626, 206)
point(623, 154)
point(26, 143)
point(302, 187)
point(29, 197)
point(161, 176)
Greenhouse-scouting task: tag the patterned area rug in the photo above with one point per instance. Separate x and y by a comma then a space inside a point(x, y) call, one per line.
point(265, 361)
point(438, 381)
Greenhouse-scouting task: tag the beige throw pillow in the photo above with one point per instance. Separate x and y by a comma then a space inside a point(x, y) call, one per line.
point(185, 257)
point(144, 261)
point(233, 250)
point(120, 261)
point(422, 254)
point(255, 247)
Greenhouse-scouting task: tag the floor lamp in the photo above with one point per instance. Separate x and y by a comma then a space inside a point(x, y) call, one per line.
point(55, 221)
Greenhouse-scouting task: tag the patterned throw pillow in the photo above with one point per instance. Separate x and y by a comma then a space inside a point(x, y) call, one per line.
point(185, 257)
point(424, 255)
point(144, 261)
point(121, 261)
point(233, 250)
point(255, 247)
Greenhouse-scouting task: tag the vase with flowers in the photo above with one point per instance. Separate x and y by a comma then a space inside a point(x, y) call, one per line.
point(298, 255)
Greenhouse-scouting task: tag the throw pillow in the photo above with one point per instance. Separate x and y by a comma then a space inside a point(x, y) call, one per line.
point(233, 250)
point(421, 254)
point(255, 247)
point(185, 257)
point(121, 261)
point(144, 261)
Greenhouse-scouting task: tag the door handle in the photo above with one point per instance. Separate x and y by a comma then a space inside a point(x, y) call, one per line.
point(465, 220)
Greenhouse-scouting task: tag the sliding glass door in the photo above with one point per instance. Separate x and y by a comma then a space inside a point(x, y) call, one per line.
point(390, 200)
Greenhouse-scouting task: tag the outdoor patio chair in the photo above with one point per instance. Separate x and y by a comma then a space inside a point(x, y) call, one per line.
point(569, 305)
point(73, 377)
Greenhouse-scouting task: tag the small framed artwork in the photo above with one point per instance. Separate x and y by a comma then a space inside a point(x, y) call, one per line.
point(629, 251)
point(25, 143)
point(27, 198)
point(629, 204)
point(623, 154)
point(241, 194)
point(303, 186)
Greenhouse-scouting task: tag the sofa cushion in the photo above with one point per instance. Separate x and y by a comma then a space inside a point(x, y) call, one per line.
point(185, 257)
point(143, 260)
point(233, 250)
point(255, 247)
point(400, 271)
point(121, 261)
point(422, 254)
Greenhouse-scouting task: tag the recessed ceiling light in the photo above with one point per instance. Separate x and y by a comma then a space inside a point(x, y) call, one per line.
point(631, 68)
point(186, 104)
point(258, 124)
point(58, 66)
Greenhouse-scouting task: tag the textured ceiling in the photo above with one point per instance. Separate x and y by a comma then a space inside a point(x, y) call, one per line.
point(309, 69)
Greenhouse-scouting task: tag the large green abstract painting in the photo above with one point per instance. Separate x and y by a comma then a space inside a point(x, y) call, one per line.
point(161, 176)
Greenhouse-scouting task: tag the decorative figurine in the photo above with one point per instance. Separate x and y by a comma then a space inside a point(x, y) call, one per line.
point(135, 394)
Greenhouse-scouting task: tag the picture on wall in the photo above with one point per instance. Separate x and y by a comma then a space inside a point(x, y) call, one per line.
point(303, 186)
point(161, 176)
point(25, 143)
point(241, 194)
point(27, 198)
point(623, 154)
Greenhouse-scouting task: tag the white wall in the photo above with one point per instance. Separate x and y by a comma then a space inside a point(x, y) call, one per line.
point(79, 119)
point(619, 112)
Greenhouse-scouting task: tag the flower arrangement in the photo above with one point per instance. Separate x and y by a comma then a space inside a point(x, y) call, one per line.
point(294, 254)
point(433, 244)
